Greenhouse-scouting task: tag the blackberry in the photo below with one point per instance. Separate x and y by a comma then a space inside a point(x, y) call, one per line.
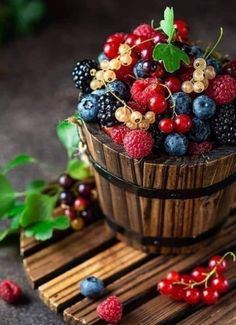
point(223, 124)
point(81, 75)
point(107, 105)
point(158, 137)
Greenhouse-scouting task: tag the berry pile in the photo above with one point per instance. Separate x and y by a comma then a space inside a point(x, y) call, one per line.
point(77, 199)
point(204, 284)
point(179, 103)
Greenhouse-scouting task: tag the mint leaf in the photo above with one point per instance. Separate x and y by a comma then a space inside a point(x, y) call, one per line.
point(36, 186)
point(38, 207)
point(167, 24)
point(68, 135)
point(78, 169)
point(7, 195)
point(17, 161)
point(170, 55)
point(44, 230)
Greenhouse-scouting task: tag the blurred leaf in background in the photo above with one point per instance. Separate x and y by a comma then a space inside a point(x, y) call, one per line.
point(20, 17)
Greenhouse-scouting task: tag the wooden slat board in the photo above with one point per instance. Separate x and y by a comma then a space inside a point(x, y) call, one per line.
point(57, 267)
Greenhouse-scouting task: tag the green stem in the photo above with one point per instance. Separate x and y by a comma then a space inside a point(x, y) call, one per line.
point(216, 44)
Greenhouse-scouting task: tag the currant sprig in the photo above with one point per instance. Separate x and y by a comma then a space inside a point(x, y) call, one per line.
point(203, 284)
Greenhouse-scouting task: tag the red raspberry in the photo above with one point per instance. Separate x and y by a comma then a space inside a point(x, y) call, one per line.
point(199, 148)
point(118, 133)
point(230, 68)
point(110, 310)
point(222, 89)
point(144, 30)
point(142, 90)
point(138, 143)
point(137, 107)
point(10, 291)
point(186, 73)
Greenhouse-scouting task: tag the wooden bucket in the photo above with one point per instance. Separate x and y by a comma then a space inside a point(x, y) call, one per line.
point(165, 204)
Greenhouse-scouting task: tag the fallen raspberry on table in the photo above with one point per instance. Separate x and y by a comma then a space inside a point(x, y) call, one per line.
point(138, 143)
point(110, 310)
point(222, 89)
point(118, 133)
point(230, 68)
point(10, 291)
point(199, 148)
point(142, 90)
point(144, 30)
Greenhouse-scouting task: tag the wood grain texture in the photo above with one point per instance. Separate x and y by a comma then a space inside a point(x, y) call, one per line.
point(158, 217)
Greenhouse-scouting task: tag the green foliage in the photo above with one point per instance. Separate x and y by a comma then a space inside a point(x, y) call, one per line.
point(68, 135)
point(7, 195)
point(171, 55)
point(78, 169)
point(17, 161)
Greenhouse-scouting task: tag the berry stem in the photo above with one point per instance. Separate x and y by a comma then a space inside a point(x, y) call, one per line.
point(232, 254)
point(172, 98)
point(216, 44)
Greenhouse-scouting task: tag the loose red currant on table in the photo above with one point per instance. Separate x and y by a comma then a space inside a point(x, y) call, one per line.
point(166, 125)
point(173, 276)
point(80, 204)
point(165, 287)
point(219, 283)
point(173, 83)
point(219, 263)
point(210, 296)
point(199, 273)
point(178, 292)
point(186, 278)
point(158, 103)
point(182, 123)
point(192, 296)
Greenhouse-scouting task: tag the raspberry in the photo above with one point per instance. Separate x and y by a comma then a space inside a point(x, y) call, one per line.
point(138, 143)
point(10, 291)
point(110, 310)
point(142, 90)
point(186, 73)
point(199, 148)
point(230, 68)
point(118, 133)
point(144, 30)
point(137, 107)
point(222, 89)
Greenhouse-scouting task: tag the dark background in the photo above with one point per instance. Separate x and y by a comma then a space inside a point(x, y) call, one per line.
point(36, 91)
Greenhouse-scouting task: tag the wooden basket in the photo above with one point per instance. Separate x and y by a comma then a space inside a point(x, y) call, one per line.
point(165, 204)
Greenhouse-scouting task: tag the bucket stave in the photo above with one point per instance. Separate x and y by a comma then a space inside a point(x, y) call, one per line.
point(162, 205)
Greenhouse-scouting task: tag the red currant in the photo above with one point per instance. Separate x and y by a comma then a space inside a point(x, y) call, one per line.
point(131, 38)
point(165, 287)
point(146, 53)
point(210, 296)
point(186, 278)
point(182, 29)
point(111, 49)
point(142, 43)
point(117, 37)
point(178, 292)
point(80, 204)
point(219, 283)
point(182, 123)
point(158, 103)
point(173, 83)
point(159, 72)
point(173, 276)
point(159, 38)
point(166, 125)
point(192, 296)
point(70, 212)
point(199, 273)
point(218, 263)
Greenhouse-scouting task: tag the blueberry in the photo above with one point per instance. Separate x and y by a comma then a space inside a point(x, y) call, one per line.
point(204, 107)
point(144, 68)
point(91, 287)
point(138, 70)
point(119, 88)
point(196, 51)
point(98, 92)
point(200, 130)
point(216, 64)
point(176, 144)
point(87, 108)
point(182, 103)
point(101, 57)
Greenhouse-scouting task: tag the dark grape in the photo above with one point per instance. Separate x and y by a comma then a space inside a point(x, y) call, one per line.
point(84, 189)
point(87, 215)
point(66, 197)
point(65, 181)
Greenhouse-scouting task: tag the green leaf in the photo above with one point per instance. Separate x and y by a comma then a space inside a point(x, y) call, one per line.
point(167, 24)
point(38, 207)
point(170, 55)
point(44, 230)
point(13, 228)
point(78, 169)
point(68, 135)
point(17, 161)
point(7, 195)
point(17, 209)
point(36, 186)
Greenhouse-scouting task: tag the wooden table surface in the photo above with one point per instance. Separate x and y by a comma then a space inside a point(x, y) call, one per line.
point(36, 91)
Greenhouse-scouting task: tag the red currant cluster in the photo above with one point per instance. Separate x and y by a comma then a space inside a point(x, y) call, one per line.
point(204, 284)
point(77, 199)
